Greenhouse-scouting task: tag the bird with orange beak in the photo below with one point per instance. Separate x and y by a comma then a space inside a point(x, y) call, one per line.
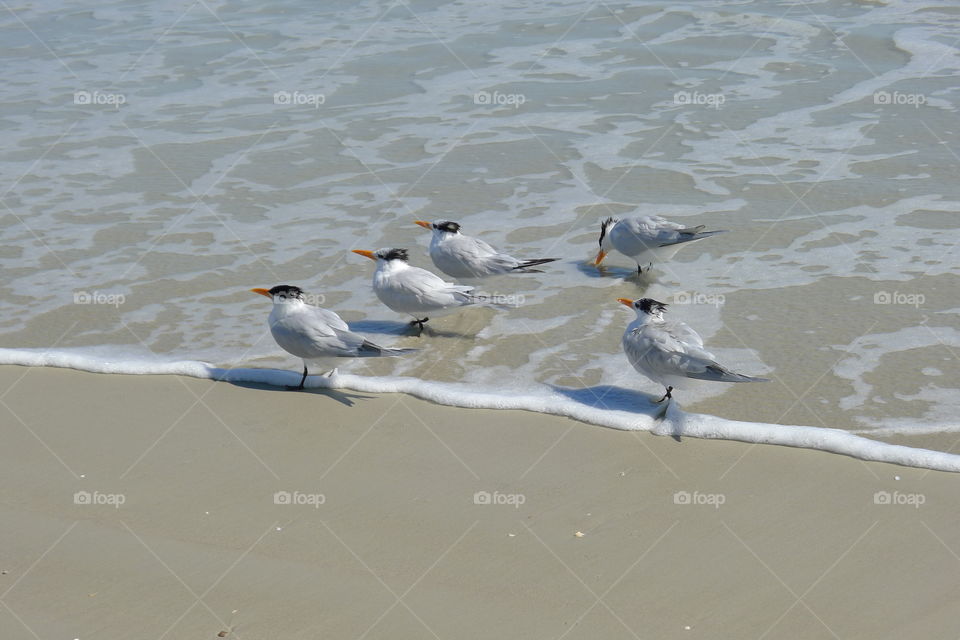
point(646, 239)
point(669, 351)
point(313, 333)
point(462, 256)
point(415, 291)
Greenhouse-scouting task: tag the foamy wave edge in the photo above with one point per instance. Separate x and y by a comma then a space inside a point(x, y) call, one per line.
point(548, 401)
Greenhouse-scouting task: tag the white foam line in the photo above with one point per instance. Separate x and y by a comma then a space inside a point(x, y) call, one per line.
point(561, 402)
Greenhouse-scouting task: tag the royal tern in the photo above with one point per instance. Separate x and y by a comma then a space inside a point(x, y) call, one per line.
point(462, 256)
point(414, 291)
point(670, 352)
point(646, 239)
point(311, 332)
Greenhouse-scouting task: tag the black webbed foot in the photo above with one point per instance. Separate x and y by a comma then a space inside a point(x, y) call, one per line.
point(418, 324)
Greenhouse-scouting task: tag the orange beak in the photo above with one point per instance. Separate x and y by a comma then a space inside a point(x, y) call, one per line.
point(365, 253)
point(424, 224)
point(626, 302)
point(600, 257)
point(262, 292)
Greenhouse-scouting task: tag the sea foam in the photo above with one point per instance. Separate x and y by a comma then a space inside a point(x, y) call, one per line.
point(613, 407)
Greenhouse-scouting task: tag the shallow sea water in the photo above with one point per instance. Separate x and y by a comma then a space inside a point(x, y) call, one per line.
point(159, 161)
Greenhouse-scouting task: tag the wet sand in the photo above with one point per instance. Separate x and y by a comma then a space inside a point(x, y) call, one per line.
point(679, 539)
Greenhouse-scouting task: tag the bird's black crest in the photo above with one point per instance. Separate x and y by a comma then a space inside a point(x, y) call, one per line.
point(649, 305)
point(287, 291)
point(448, 226)
point(393, 254)
point(603, 228)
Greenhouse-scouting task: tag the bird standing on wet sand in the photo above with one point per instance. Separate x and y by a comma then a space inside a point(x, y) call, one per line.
point(414, 291)
point(311, 332)
point(463, 256)
point(670, 352)
point(646, 239)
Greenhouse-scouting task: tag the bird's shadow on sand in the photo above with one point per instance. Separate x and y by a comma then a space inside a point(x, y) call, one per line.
point(402, 329)
point(618, 273)
point(342, 397)
point(608, 397)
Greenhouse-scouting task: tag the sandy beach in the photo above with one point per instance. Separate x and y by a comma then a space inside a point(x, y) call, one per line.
point(407, 519)
point(503, 476)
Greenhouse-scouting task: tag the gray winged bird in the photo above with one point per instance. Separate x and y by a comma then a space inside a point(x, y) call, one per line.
point(311, 333)
point(415, 291)
point(670, 352)
point(646, 239)
point(463, 256)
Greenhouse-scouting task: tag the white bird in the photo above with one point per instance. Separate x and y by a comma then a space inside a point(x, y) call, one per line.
point(646, 239)
point(415, 291)
point(463, 256)
point(310, 332)
point(670, 352)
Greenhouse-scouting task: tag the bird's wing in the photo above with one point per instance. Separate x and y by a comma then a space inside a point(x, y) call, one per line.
point(647, 232)
point(430, 287)
point(657, 346)
point(666, 233)
point(657, 351)
point(309, 336)
point(483, 257)
point(329, 318)
point(684, 334)
point(657, 223)
point(357, 346)
point(477, 247)
point(706, 369)
point(656, 231)
point(305, 335)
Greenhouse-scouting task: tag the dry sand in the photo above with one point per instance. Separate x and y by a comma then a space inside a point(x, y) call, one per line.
point(399, 549)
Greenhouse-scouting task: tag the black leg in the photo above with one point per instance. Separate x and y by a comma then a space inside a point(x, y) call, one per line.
point(666, 396)
point(302, 380)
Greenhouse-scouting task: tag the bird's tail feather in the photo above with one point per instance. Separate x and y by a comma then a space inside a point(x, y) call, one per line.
point(694, 233)
point(371, 349)
point(717, 373)
point(526, 264)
